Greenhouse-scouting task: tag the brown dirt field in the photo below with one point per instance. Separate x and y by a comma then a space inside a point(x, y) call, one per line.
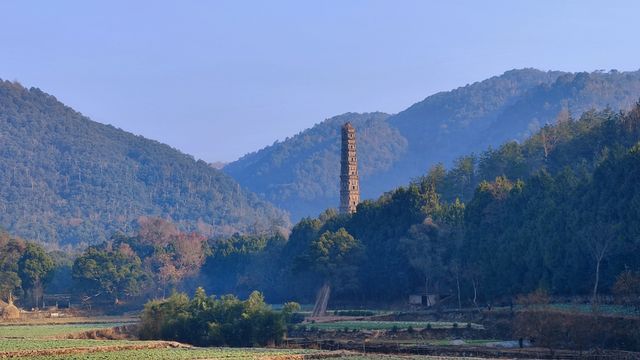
point(94, 349)
point(125, 332)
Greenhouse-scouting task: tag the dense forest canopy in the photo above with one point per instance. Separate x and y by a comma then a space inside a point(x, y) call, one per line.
point(25, 270)
point(300, 173)
point(557, 212)
point(65, 179)
point(152, 263)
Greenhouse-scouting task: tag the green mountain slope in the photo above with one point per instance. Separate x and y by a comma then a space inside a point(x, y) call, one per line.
point(300, 173)
point(440, 128)
point(535, 215)
point(65, 179)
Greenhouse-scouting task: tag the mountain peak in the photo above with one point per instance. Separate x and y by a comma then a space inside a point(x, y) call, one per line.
point(300, 174)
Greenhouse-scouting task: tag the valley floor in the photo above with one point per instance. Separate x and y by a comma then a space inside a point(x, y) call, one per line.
point(70, 339)
point(106, 339)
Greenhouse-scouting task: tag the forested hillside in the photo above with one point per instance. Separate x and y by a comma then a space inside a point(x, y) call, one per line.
point(65, 179)
point(300, 174)
point(558, 213)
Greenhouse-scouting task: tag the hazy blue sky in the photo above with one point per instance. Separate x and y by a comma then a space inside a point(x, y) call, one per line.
point(217, 79)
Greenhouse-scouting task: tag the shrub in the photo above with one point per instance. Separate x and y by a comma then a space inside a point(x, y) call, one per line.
point(540, 297)
point(627, 289)
point(296, 318)
point(207, 321)
point(290, 313)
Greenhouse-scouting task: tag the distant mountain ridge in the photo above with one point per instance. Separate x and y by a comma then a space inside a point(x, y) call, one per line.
point(67, 180)
point(300, 174)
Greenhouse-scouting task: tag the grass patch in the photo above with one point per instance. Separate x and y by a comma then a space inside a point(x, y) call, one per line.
point(386, 325)
point(480, 341)
point(588, 309)
point(44, 331)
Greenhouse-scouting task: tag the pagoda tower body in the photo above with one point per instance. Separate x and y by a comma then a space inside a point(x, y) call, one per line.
point(349, 181)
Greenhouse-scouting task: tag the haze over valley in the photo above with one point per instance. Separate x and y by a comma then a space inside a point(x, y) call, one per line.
point(362, 180)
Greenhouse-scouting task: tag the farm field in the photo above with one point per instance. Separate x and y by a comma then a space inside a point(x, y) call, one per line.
point(307, 310)
point(232, 354)
point(50, 330)
point(177, 353)
point(408, 357)
point(43, 344)
point(48, 342)
point(387, 325)
point(75, 320)
point(443, 342)
point(606, 309)
point(96, 349)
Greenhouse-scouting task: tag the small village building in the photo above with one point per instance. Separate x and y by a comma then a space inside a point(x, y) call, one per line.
point(424, 300)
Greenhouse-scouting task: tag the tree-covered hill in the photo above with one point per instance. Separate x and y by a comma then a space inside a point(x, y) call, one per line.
point(557, 213)
point(65, 179)
point(300, 174)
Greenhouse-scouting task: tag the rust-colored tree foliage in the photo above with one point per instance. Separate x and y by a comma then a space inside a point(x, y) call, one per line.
point(172, 255)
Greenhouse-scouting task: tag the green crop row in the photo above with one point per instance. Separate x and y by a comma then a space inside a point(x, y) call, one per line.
point(388, 325)
point(42, 344)
point(187, 353)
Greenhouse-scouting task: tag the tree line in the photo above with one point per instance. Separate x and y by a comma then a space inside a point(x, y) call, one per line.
point(25, 269)
point(558, 212)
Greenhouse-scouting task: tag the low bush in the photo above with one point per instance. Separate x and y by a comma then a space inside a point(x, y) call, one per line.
point(211, 321)
point(410, 329)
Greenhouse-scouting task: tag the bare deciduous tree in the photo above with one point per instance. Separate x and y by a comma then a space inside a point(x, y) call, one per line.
point(598, 238)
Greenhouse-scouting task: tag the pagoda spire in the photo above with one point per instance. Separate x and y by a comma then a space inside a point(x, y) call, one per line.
point(349, 179)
